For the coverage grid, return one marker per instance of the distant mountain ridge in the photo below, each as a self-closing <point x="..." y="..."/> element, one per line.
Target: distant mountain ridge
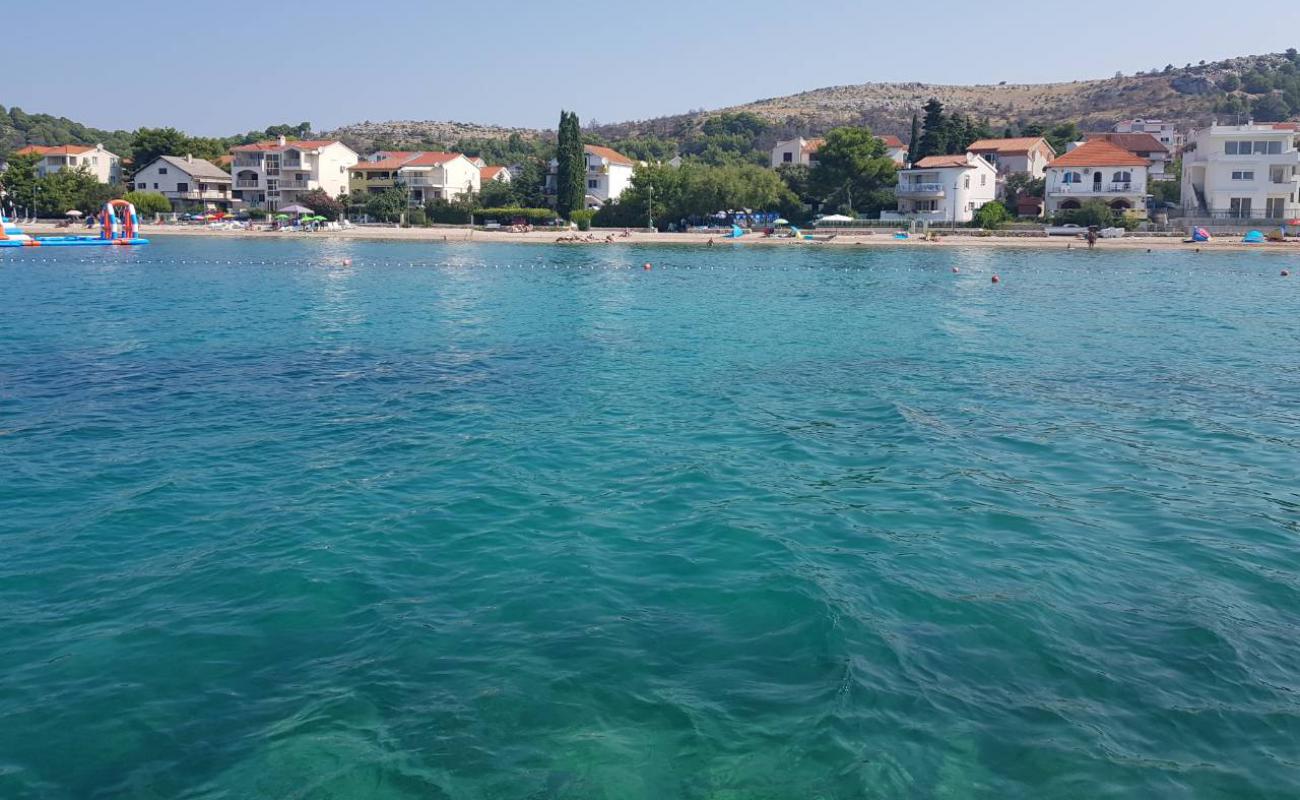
<point x="1187" y="96"/>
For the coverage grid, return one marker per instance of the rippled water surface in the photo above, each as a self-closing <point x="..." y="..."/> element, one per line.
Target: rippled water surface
<point x="498" y="521"/>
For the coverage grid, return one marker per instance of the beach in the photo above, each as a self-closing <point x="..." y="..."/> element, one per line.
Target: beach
<point x="882" y="237"/>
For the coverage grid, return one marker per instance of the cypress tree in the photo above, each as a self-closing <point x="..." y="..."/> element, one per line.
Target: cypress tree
<point x="571" y="169"/>
<point x="914" y="141"/>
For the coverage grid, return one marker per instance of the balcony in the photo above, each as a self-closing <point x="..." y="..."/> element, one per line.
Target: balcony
<point x="297" y="184"/>
<point x="919" y="190"/>
<point x="1094" y="188"/>
<point x="422" y="183"/>
<point x="247" y="183"/>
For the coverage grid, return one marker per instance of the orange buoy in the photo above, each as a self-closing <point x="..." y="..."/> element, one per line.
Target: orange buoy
<point x="996" y="279"/>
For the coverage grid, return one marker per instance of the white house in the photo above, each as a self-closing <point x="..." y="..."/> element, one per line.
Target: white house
<point x="609" y="174"/>
<point x="796" y="151"/>
<point x="105" y="166"/>
<point x="1097" y="170"/>
<point x="944" y="188"/>
<point x="439" y="176"/>
<point x="1028" y="155"/>
<point x="1143" y="145"/>
<point x="804" y="151"/>
<point x="186" y="180"/>
<point x="272" y="174"/>
<point x="1164" y="132"/>
<point x="894" y="148"/>
<point x="1249" y="171"/>
<point x="501" y="174"/>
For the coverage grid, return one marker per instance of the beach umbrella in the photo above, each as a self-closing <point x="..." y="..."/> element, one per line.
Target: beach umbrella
<point x="73" y="213"/>
<point x="281" y="216"/>
<point x="780" y="221"/>
<point x="296" y="209"/>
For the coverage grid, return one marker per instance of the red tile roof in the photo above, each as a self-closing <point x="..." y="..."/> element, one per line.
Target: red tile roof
<point x="58" y="150"/>
<point x="890" y="140"/>
<point x="612" y="156"/>
<point x="1099" y="153"/>
<point x="1015" y="146"/>
<point x="938" y="162"/>
<point x="431" y="159"/>
<point x="275" y="146"/>
<point x="1132" y="142"/>
<point x="489" y="173"/>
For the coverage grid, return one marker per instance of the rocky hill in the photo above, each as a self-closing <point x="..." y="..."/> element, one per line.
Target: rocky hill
<point x="1189" y="95"/>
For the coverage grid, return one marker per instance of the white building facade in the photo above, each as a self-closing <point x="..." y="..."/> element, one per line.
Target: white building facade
<point x="797" y="151"/>
<point x="1097" y="170"/>
<point x="440" y="176"/>
<point x="1249" y="171"/>
<point x="1164" y="132"/>
<point x="105" y="166"/>
<point x="944" y="189"/>
<point x="272" y="174"/>
<point x="609" y="174"/>
<point x="186" y="181"/>
<point x="1027" y="155"/>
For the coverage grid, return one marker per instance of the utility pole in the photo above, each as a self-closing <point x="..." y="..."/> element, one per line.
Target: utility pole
<point x="650" y="207"/>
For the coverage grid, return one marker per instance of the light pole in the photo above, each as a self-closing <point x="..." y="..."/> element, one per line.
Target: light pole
<point x="650" y="207"/>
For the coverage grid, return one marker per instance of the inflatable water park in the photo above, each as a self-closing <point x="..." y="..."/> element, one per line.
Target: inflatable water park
<point x="119" y="225"/>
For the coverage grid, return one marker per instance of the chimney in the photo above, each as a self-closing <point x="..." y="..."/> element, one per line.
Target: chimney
<point x="280" y="140"/>
<point x="189" y="158"/>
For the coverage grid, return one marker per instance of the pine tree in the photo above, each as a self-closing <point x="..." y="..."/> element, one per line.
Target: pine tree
<point x="934" y="140"/>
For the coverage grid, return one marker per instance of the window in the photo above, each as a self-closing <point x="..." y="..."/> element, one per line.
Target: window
<point x="1122" y="176"/>
<point x="155" y="186"/>
<point x="1275" y="207"/>
<point x="1239" y="207"/>
<point x="1267" y="148"/>
<point x="966" y="183"/>
<point x="1277" y="174"/>
<point x="162" y="170"/>
<point x="593" y="184"/>
<point x="1243" y="175"/>
<point x="182" y="187"/>
<point x="984" y="180"/>
<point x="787" y="157"/>
<point x="1072" y="177"/>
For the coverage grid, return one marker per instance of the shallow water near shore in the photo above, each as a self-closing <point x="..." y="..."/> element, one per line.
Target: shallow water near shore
<point x="481" y="521"/>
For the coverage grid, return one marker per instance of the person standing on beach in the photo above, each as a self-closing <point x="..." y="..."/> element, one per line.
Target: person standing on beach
<point x="1092" y="238"/>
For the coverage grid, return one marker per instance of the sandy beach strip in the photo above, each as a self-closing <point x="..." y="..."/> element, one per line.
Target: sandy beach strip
<point x="849" y="239"/>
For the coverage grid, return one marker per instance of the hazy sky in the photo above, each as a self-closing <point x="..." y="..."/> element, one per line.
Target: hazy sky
<point x="216" y="68"/>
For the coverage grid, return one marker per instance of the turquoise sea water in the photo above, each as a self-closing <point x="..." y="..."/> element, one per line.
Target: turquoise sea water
<point x="509" y="522"/>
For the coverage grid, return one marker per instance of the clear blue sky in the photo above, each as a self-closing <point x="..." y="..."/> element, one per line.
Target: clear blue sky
<point x="216" y="68"/>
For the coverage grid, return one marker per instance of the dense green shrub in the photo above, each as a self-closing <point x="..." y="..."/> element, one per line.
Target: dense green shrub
<point x="582" y="217"/>
<point x="991" y="215"/>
